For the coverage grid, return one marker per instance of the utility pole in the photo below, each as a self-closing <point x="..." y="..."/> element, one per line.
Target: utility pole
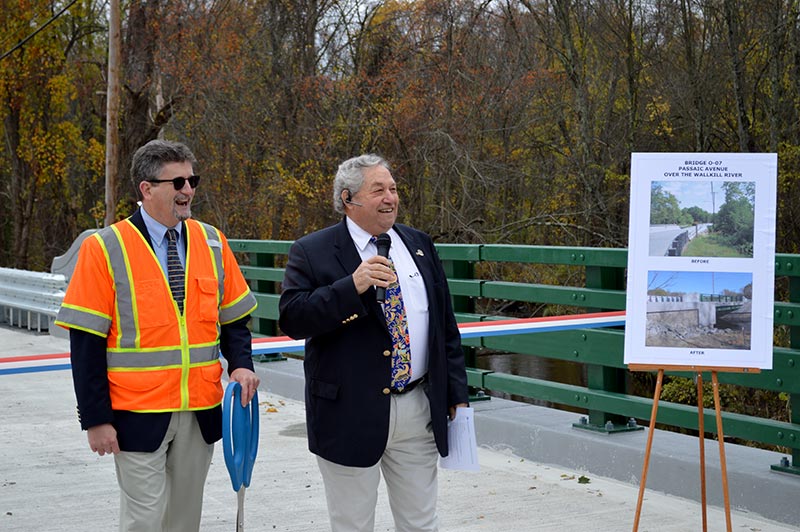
<point x="112" y="111"/>
<point x="713" y="206"/>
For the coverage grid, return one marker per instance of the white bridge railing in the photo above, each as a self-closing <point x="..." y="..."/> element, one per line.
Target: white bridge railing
<point x="30" y="299"/>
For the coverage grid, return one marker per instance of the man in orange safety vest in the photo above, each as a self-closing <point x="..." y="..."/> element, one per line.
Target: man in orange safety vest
<point x="152" y="302"/>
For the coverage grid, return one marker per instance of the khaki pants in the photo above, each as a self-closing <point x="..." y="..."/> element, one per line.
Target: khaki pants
<point x="409" y="466"/>
<point x="162" y="491"/>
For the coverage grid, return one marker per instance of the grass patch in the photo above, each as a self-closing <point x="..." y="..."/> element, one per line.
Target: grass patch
<point x="710" y="246"/>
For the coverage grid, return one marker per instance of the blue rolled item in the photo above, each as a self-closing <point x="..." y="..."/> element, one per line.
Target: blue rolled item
<point x="239" y="435"/>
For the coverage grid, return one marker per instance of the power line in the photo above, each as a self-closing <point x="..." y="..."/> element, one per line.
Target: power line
<point x="39" y="13"/>
<point x="32" y="35"/>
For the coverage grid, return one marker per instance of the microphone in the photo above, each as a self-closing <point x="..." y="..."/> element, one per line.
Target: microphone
<point x="383" y="241"/>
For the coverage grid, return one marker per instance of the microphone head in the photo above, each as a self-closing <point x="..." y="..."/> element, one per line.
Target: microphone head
<point x="383" y="243"/>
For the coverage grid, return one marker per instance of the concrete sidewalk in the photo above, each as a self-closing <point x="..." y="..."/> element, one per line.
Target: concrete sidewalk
<point x="51" y="482"/>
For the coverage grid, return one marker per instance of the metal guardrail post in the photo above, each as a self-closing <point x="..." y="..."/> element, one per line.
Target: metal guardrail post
<point x="262" y="325"/>
<point x="264" y="279"/>
<point x="794" y="398"/>
<point x="462" y="269"/>
<point x="455" y="268"/>
<point x="786" y="465"/>
<point x="601" y="377"/>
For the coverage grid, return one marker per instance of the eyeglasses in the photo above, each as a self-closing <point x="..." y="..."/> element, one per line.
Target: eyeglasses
<point x="179" y="182"/>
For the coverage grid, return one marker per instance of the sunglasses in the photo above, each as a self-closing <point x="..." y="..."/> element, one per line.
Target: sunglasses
<point x="179" y="182"/>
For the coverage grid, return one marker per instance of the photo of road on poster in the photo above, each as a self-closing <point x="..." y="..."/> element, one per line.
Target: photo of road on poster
<point x="701" y="259"/>
<point x="702" y="219"/>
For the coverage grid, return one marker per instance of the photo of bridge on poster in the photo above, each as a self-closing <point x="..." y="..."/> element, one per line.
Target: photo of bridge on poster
<point x="700" y="287"/>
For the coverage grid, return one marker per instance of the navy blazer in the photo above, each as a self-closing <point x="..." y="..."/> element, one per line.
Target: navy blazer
<point x="137" y="431"/>
<point x="346" y="371"/>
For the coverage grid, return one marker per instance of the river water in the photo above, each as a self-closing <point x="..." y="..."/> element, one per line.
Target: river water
<point x="536" y="367"/>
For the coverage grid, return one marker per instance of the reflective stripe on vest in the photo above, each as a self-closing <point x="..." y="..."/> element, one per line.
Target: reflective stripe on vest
<point x="239" y="307"/>
<point x="215" y="248"/>
<point x="119" y="266"/>
<point x="121" y="359"/>
<point x="162" y="389"/>
<point x="92" y="322"/>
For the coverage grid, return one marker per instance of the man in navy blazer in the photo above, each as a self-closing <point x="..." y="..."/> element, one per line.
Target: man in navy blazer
<point x="360" y="422"/>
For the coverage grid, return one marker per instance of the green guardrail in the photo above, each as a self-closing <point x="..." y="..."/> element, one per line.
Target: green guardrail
<point x="605" y="398"/>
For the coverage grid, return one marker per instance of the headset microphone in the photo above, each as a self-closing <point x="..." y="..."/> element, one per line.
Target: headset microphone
<point x="349" y="200"/>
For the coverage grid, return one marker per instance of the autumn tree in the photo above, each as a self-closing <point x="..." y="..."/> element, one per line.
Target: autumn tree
<point x="50" y="125"/>
<point x="509" y="121"/>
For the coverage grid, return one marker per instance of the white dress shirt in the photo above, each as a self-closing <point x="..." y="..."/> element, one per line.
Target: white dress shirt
<point x="158" y="236"/>
<point x="412" y="286"/>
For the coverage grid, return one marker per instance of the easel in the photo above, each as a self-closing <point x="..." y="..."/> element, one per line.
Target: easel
<point x="698" y="370"/>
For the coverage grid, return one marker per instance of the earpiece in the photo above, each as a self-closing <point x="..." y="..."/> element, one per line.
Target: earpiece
<point x="349" y="199"/>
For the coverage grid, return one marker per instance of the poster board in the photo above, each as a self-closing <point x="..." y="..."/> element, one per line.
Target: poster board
<point x="701" y="260"/>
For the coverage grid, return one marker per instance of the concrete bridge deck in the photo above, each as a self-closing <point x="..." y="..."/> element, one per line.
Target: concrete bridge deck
<point x="51" y="482"/>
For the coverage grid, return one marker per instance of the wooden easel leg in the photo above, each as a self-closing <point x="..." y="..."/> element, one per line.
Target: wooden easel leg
<point x="701" y="439"/>
<point x="722" y="464"/>
<point x="653" y="413"/>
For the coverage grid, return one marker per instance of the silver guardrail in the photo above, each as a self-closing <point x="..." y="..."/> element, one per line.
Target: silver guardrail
<point x="30" y="299"/>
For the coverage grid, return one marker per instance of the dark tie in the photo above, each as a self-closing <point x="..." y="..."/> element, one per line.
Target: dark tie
<point x="396" y="321"/>
<point x="175" y="269"/>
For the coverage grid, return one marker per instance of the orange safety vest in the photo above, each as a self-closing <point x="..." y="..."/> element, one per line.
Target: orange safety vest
<point x="158" y="359"/>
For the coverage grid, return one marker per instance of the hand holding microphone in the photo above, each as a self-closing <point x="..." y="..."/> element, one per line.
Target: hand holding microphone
<point x="375" y="270"/>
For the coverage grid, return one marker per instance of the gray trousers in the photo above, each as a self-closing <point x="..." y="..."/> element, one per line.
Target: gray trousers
<point x="409" y="466"/>
<point x="162" y="491"/>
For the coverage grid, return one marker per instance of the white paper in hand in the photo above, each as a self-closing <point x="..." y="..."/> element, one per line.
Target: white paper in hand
<point x="463" y="448"/>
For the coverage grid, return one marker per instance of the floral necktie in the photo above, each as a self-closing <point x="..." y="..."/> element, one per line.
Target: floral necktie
<point x="395" y="313"/>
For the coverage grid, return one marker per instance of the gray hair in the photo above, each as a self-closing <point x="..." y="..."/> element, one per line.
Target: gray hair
<point x="151" y="158"/>
<point x="350" y="176"/>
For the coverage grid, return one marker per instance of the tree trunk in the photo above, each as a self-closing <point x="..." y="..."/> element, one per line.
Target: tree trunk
<point x="141" y="122"/>
<point x="746" y="142"/>
<point x="694" y="77"/>
<point x="22" y="192"/>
